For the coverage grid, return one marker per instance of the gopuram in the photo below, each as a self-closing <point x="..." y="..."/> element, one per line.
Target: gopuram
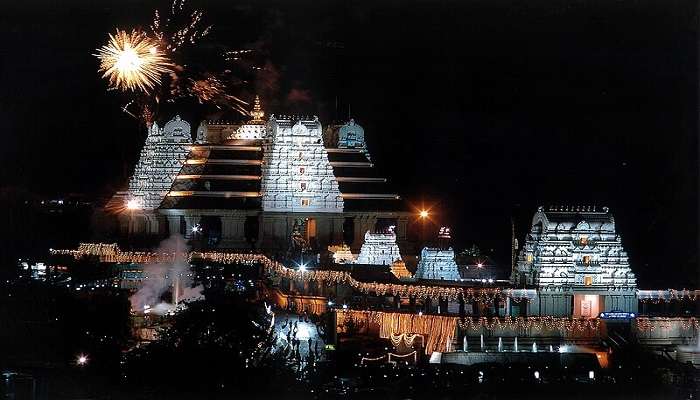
<point x="575" y="258"/>
<point x="250" y="185"/>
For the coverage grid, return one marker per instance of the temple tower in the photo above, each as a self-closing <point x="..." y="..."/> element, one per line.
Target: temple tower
<point x="296" y="173"/>
<point x="575" y="258"/>
<point x="162" y="157"/>
<point x="379" y="249"/>
<point x="439" y="263"/>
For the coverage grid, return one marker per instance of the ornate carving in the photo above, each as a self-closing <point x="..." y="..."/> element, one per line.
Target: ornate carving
<point x="162" y="157"/>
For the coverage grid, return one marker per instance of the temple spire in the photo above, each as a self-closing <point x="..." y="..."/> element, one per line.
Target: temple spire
<point x="258" y="114"/>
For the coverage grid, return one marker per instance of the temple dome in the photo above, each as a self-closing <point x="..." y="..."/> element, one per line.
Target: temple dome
<point x="351" y="135"/>
<point x="178" y="128"/>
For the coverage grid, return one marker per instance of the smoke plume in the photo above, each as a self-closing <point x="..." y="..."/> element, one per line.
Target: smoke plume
<point x="158" y="278"/>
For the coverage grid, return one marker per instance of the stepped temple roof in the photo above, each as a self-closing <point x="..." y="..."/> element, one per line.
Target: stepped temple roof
<point x="279" y="164"/>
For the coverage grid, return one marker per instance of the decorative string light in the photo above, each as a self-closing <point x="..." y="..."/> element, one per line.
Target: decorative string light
<point x="665" y="296"/>
<point x="111" y="253"/>
<point x="440" y="330"/>
<point x="414" y="353"/>
<point x="526" y="323"/>
<point x="646" y="324"/>
<point x="405" y="338"/>
<point x="364" y="359"/>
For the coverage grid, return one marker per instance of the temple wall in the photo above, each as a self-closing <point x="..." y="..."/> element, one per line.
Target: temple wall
<point x="666" y="331"/>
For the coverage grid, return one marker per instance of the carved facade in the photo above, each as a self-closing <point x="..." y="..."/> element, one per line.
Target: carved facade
<point x="162" y="157"/>
<point x="296" y="173"/>
<point x="379" y="249"/>
<point x="437" y="264"/>
<point x="351" y="136"/>
<point x="246" y="184"/>
<point x="576" y="251"/>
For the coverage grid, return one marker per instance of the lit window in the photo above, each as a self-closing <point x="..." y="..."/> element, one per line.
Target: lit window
<point x="305" y="202"/>
<point x="587" y="260"/>
<point x="302" y="185"/>
<point x="529" y="258"/>
<point x="301" y="170"/>
<point x="583" y="241"/>
<point x="587" y="280"/>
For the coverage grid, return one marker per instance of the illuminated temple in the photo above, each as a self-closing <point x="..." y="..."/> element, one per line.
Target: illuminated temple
<point x="575" y="257"/>
<point x="379" y="249"/>
<point x="252" y="184"/>
<point x="278" y="182"/>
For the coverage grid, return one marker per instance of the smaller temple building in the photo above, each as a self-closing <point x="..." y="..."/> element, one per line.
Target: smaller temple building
<point x="379" y="249"/>
<point x="575" y="258"/>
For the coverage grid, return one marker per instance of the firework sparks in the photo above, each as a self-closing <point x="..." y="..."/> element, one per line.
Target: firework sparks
<point x="132" y="61"/>
<point x="189" y="32"/>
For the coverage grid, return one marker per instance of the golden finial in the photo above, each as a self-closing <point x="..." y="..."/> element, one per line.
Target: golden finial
<point x="258" y="114"/>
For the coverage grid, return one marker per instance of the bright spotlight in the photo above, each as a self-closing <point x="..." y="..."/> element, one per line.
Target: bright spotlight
<point x="133" y="204"/>
<point x="424" y="214"/>
<point x="196" y="229"/>
<point x="302" y="267"/>
<point x="82" y="359"/>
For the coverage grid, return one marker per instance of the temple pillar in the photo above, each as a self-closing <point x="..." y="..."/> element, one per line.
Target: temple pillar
<point x="359" y="234"/>
<point x="173" y="225"/>
<point x="336" y="236"/>
<point x="232" y="231"/>
<point x="401" y="228"/>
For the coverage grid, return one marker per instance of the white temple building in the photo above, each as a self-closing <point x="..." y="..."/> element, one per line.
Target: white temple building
<point x="379" y="249"/>
<point x="296" y="173"/>
<point x="162" y="157"/>
<point x="576" y="260"/>
<point x="249" y="184"/>
<point x="438" y="264"/>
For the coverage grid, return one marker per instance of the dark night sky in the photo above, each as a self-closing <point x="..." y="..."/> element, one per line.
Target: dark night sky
<point x="487" y="108"/>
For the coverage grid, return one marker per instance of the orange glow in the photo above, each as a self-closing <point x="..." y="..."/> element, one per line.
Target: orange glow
<point x="133" y="204"/>
<point x="424" y="214"/>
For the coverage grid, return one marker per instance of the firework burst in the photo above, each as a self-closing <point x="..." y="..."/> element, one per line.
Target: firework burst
<point x="166" y="64"/>
<point x="133" y="61"/>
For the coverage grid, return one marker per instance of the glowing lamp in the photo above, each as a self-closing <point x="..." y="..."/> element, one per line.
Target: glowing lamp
<point x="424" y="214"/>
<point x="133" y="204"/>
<point x="82" y="359"/>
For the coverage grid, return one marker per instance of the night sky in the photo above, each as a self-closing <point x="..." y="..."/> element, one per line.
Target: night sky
<point x="485" y="109"/>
